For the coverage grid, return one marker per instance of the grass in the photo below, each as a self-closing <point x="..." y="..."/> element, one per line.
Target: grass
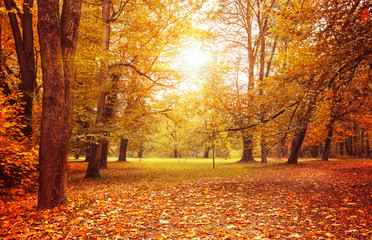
<point x="157" y="172"/>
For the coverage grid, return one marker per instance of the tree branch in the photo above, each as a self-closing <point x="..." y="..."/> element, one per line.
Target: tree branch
<point x="139" y="72"/>
<point x="263" y="121"/>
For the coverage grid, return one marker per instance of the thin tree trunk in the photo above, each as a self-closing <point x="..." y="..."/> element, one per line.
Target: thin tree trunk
<point x="93" y="166"/>
<point x="123" y="150"/>
<point x="261" y="26"/>
<point x="263" y="152"/>
<point x="175" y="153"/>
<point x="140" y="153"/>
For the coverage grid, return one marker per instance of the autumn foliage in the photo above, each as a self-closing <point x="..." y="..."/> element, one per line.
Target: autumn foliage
<point x="18" y="156"/>
<point x="154" y="200"/>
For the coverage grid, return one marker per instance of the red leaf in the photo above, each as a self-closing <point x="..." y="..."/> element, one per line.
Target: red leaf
<point x="366" y="14"/>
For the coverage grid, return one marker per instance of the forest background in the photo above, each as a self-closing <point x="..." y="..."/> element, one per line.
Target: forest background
<point x="280" y="79"/>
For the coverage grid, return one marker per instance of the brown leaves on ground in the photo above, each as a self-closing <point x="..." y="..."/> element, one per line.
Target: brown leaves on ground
<point x="316" y="200"/>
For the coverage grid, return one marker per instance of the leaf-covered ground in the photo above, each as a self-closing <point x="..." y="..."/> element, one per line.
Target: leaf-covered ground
<point x="316" y="200"/>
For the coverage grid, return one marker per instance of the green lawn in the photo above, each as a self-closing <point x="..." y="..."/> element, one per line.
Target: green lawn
<point x="157" y="172"/>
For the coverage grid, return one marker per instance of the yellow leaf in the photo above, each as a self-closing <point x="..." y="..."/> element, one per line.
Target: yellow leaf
<point x="190" y="234"/>
<point x="329" y="235"/>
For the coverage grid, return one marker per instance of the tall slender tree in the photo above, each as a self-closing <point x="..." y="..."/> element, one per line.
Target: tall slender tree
<point x="93" y="166"/>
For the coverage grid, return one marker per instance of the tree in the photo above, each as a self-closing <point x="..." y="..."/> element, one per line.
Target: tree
<point x="93" y="166"/>
<point x="123" y="150"/>
<point x="317" y="31"/>
<point x="58" y="38"/>
<point x="246" y="26"/>
<point x="23" y="34"/>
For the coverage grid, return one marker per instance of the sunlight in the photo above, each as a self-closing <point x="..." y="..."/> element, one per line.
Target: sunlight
<point x="193" y="58"/>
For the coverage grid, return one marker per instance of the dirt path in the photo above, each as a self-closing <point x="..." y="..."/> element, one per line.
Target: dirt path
<point x="309" y="201"/>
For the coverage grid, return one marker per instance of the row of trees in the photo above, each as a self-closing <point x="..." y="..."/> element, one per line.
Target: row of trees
<point x="308" y="72"/>
<point x="284" y="75"/>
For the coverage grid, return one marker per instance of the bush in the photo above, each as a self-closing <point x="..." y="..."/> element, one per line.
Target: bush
<point x="18" y="154"/>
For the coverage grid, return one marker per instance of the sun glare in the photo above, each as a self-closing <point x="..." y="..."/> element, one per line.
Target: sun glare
<point x="192" y="61"/>
<point x="193" y="58"/>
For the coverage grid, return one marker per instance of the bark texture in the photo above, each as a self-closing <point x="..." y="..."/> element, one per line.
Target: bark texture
<point x="52" y="155"/>
<point x="56" y="60"/>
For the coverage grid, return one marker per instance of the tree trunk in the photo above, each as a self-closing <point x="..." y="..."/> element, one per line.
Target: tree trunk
<point x="88" y="153"/>
<point x="341" y="150"/>
<point x="261" y="74"/>
<point x="104" y="154"/>
<point x="368" y="148"/>
<point x="247" y="149"/>
<point x="296" y="147"/>
<point x="321" y="149"/>
<point x="360" y="146"/>
<point x="93" y="167"/>
<point x="140" y="153"/>
<point x="278" y="151"/>
<point x="314" y="151"/>
<point x="175" y="153"/>
<point x="327" y="145"/>
<point x="107" y="116"/>
<point x="206" y="152"/>
<point x="263" y="152"/>
<point x="57" y="48"/>
<point x="300" y="135"/>
<point x="24" y="43"/>
<point x="349" y="146"/>
<point x="123" y="150"/>
<point x="51" y="154"/>
<point x="94" y="160"/>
